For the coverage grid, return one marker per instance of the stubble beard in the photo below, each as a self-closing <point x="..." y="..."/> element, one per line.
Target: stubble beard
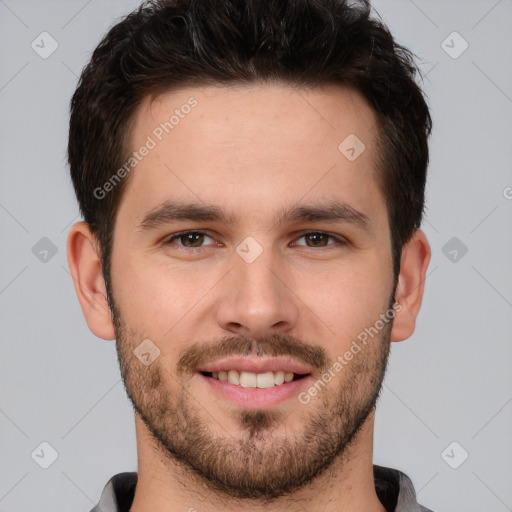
<point x="260" y="462"/>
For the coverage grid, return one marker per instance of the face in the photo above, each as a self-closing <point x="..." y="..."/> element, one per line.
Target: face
<point x="248" y="247"/>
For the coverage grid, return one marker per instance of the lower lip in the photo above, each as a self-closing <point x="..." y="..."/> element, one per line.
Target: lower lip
<point x="256" y="398"/>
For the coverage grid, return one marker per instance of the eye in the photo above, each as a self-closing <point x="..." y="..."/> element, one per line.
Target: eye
<point x="319" y="239"/>
<point x="190" y="239"/>
<point x="198" y="239"/>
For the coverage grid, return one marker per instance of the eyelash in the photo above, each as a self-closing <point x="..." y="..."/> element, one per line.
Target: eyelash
<point x="169" y="241"/>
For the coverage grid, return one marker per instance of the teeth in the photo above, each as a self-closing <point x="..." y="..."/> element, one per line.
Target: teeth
<point x="253" y="380"/>
<point x="233" y="377"/>
<point x="279" y="378"/>
<point x="265" y="380"/>
<point x="247" y="380"/>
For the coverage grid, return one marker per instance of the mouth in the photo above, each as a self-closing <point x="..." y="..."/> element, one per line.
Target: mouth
<point x="255" y="382"/>
<point x="247" y="379"/>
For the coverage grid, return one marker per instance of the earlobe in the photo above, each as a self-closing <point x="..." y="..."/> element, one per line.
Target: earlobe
<point x="411" y="284"/>
<point x="86" y="270"/>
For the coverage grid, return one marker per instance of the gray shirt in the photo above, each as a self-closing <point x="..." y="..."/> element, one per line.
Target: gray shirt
<point x="394" y="490"/>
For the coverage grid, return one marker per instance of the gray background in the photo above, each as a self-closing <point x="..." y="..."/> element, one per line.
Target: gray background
<point x="451" y="382"/>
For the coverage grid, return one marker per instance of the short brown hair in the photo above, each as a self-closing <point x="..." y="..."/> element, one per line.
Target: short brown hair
<point x="170" y="44"/>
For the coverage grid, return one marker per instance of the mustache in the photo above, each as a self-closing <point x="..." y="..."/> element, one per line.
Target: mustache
<point x="274" y="345"/>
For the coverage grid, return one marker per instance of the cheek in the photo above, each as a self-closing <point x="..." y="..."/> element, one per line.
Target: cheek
<point x="156" y="296"/>
<point x="351" y="299"/>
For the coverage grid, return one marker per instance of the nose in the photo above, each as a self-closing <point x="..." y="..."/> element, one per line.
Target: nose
<point x="257" y="298"/>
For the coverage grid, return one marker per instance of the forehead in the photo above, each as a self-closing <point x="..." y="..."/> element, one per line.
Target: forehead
<point x="238" y="111"/>
<point x="247" y="147"/>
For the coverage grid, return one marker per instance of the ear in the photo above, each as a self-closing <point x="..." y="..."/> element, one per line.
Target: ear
<point x="411" y="283"/>
<point x="85" y="266"/>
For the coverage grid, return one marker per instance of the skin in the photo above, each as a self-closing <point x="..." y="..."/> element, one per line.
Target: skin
<point x="252" y="151"/>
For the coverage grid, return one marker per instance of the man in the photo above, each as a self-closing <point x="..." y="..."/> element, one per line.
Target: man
<point x="251" y="176"/>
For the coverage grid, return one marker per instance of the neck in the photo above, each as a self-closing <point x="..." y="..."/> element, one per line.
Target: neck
<point x="166" y="485"/>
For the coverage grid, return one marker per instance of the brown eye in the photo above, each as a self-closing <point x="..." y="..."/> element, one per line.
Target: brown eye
<point x="318" y="239"/>
<point x="191" y="239"/>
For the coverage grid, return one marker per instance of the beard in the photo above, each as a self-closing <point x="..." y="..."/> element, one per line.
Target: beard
<point x="257" y="461"/>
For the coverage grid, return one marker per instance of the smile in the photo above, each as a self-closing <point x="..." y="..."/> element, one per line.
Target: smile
<point x="254" y="380"/>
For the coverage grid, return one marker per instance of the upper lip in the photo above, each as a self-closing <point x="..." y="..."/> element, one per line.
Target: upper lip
<point x="257" y="365"/>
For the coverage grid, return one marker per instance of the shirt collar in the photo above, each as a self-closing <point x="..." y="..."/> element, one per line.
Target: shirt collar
<point x="394" y="489"/>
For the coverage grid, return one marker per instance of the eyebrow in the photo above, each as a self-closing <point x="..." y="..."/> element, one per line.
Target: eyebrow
<point x="172" y="211"/>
